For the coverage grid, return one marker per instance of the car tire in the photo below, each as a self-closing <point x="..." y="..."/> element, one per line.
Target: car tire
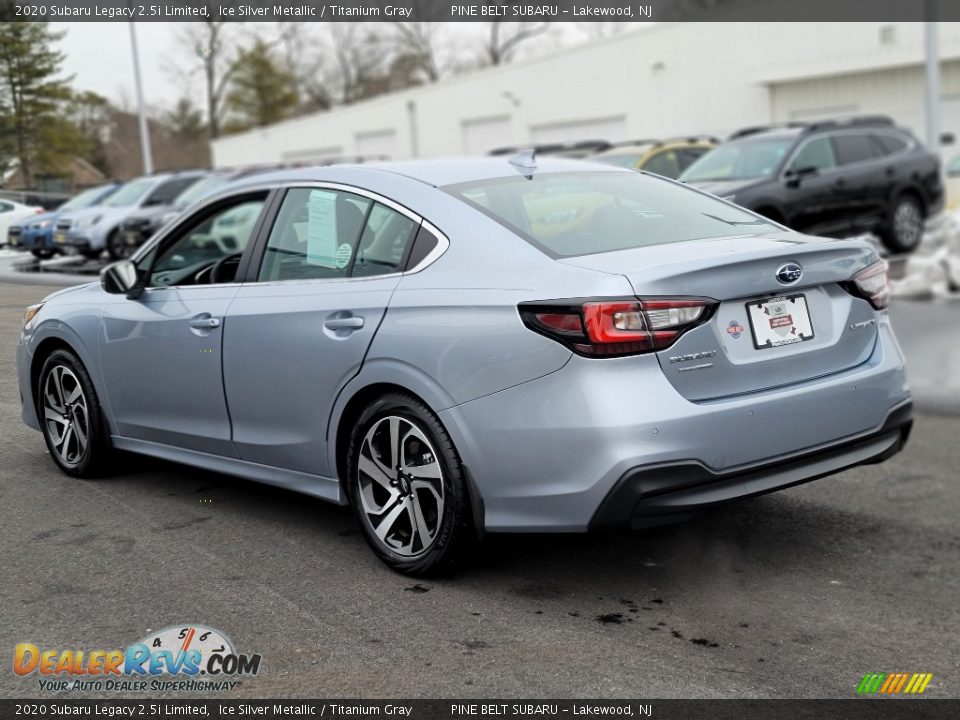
<point x="904" y="231"/>
<point x="117" y="247"/>
<point x="416" y="519"/>
<point x="77" y="439"/>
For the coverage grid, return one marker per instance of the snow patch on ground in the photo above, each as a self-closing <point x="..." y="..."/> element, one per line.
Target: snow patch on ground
<point x="933" y="270"/>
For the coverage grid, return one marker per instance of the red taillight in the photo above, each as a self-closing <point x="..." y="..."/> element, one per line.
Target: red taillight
<point x="611" y="328"/>
<point x="872" y="284"/>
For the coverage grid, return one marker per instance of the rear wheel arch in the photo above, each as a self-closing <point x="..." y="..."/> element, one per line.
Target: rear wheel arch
<point x="912" y="192"/>
<point x="352" y="411"/>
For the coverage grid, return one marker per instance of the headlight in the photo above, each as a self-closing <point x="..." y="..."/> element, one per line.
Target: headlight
<point x="89" y="222"/>
<point x="30" y="313"/>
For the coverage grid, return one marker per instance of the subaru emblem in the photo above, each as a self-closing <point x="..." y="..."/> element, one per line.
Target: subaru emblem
<point x="789" y="273"/>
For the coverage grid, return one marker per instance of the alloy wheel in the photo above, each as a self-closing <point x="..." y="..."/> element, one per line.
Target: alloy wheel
<point x="66" y="415"/>
<point x="401" y="486"/>
<point x="908" y="224"/>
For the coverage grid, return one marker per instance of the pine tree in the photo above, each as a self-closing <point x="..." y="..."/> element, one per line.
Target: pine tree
<point x="32" y="93"/>
<point x="261" y="90"/>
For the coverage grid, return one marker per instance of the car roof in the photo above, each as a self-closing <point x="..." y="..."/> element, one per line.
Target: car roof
<point x="645" y="147"/>
<point x="438" y="172"/>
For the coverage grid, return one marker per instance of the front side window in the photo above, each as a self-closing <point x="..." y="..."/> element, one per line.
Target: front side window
<point x="816" y="155"/>
<point x="221" y="235"/>
<point x="329" y="234"/>
<point x="568" y="214"/>
<point x="751" y="159"/>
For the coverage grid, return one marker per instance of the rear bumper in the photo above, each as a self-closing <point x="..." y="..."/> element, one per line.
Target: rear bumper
<point x="662" y="494"/>
<point x="547" y="454"/>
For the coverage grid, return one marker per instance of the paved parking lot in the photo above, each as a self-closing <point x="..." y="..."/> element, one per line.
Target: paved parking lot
<point x="796" y="594"/>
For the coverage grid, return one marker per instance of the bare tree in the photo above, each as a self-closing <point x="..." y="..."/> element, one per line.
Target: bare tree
<point x="504" y="38"/>
<point x="416" y="42"/>
<point x="306" y="54"/>
<point x="210" y="44"/>
<point x="361" y="54"/>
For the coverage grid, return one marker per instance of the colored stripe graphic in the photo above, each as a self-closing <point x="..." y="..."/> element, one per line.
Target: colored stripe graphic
<point x="894" y="683"/>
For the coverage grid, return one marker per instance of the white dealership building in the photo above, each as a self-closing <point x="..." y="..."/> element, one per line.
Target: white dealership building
<point x="660" y="80"/>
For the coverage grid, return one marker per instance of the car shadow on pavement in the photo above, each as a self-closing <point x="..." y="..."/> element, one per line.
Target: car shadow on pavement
<point x="767" y="535"/>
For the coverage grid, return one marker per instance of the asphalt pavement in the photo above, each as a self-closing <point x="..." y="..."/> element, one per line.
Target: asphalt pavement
<point x="795" y="594"/>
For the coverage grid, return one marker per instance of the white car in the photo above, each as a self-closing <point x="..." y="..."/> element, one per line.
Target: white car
<point x="12" y="213"/>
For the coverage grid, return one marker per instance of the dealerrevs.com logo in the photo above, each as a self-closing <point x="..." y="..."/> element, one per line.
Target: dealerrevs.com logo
<point x="184" y="657"/>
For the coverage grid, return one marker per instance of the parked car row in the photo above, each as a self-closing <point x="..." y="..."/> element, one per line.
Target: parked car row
<point x="119" y="217"/>
<point x="836" y="177"/>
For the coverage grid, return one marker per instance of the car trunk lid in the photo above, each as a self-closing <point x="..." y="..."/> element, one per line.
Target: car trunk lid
<point x="764" y="332"/>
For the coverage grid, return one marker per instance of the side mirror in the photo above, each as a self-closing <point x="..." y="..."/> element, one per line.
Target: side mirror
<point x="120" y="278"/>
<point x="795" y="175"/>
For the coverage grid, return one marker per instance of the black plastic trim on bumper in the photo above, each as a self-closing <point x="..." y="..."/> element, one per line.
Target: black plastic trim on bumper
<point x="659" y="494"/>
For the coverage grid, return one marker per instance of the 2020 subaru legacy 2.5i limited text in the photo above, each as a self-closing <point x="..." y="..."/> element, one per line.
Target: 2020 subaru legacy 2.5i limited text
<point x="460" y="347"/>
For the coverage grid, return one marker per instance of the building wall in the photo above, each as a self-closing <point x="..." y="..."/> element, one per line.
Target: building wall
<point x="660" y="80"/>
<point x="894" y="91"/>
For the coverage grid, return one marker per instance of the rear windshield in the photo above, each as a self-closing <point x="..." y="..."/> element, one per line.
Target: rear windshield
<point x="569" y="214"/>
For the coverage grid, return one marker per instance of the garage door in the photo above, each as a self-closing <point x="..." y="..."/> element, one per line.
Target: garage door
<point x="481" y="135"/>
<point x="612" y="129"/>
<point x="377" y="145"/>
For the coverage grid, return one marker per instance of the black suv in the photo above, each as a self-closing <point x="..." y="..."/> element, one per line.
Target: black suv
<point x="831" y="178"/>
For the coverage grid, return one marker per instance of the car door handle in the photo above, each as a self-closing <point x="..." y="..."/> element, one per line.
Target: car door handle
<point x="205" y="323"/>
<point x="343" y="323"/>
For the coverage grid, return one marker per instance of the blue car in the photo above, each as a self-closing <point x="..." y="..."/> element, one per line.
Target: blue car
<point x="37" y="235"/>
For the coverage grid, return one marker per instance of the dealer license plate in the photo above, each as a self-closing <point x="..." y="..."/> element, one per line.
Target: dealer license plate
<point x="779" y="321"/>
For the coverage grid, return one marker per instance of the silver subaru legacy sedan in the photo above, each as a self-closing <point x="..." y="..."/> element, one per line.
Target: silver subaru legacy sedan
<point x="457" y="347"/>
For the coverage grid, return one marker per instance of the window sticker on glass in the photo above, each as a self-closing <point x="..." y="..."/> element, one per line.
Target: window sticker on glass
<point x="344" y="253"/>
<point x="322" y="229"/>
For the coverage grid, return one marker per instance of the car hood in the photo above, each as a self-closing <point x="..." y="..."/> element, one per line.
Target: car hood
<point x="36" y="220"/>
<point x="724" y="188"/>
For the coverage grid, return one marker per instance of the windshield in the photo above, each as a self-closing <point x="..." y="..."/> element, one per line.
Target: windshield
<point x="87" y="198"/>
<point x="130" y="194"/>
<point x="744" y="160"/>
<point x="624" y="160"/>
<point x="199" y="190"/>
<point x="568" y="214"/>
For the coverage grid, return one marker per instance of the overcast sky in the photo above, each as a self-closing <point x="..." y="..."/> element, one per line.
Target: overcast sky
<point x="99" y="58"/>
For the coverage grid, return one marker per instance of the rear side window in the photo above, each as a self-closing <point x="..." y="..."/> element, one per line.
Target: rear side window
<point x="329" y="234"/>
<point x="568" y="214"/>
<point x="853" y="149"/>
<point x="890" y="144"/>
